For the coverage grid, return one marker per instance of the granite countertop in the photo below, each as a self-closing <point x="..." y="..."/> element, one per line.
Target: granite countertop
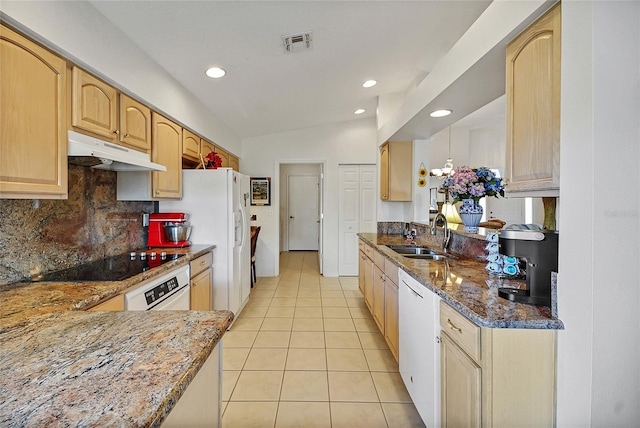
<point x="62" y="365"/>
<point x="465" y="285"/>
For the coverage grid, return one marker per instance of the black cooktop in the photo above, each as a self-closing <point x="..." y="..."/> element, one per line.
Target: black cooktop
<point x="115" y="268"/>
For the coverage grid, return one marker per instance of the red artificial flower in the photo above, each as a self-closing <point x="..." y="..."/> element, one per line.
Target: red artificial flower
<point x="213" y="160"/>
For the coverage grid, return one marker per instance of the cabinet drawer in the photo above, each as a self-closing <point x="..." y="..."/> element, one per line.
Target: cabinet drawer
<point x="391" y="271"/>
<point x="378" y="259"/>
<point x="368" y="251"/>
<point x="465" y="333"/>
<point x="201" y="263"/>
<point x="361" y="245"/>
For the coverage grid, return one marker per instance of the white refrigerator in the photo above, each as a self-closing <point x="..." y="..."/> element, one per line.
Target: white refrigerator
<point x="217" y="202"/>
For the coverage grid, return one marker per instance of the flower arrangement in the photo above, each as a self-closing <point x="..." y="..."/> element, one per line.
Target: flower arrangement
<point x="476" y="183"/>
<point x="213" y="160"/>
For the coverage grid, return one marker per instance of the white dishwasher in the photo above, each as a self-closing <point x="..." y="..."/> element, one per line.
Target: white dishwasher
<point x="167" y="292"/>
<point x="419" y="348"/>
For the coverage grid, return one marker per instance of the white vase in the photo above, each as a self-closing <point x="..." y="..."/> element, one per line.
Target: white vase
<point x="471" y="214"/>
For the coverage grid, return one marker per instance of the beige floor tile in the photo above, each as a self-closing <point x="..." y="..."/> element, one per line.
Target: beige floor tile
<point x="342" y="340"/>
<point x="233" y="358"/>
<point x="356" y="302"/>
<point x="246" y="323"/>
<point x="308" y="312"/>
<point x="308" y="302"/>
<point x="262" y="293"/>
<point x="330" y="286"/>
<point x="373" y="340"/>
<point x="279" y="324"/>
<point x="402" y="415"/>
<point x="305" y="386"/>
<point x="357" y="415"/>
<point x="258" y="386"/>
<point x="263" y="301"/>
<point x="329" y="280"/>
<point x="346" y="360"/>
<point x="239" y="339"/>
<point x="265" y="285"/>
<point x="267" y="280"/>
<point x="308" y="324"/>
<point x="303" y="415"/>
<point x="352" y="386"/>
<point x="360" y="312"/>
<point x="338" y="324"/>
<point x="352" y="294"/>
<point x="229" y="379"/>
<point x="281" y="312"/>
<point x="333" y="312"/>
<point x="365" y="324"/>
<point x="266" y="359"/>
<point x="381" y="360"/>
<point x="390" y="387"/>
<point x="255" y="311"/>
<point x="285" y="292"/>
<point x="331" y="294"/>
<point x="272" y="339"/>
<point x="283" y="301"/>
<point x="309" y="292"/>
<point x="250" y="414"/>
<point x="306" y="359"/>
<point x="349" y="280"/>
<point x="350" y="287"/>
<point x="337" y="302"/>
<point x="223" y="407"/>
<point x="307" y="339"/>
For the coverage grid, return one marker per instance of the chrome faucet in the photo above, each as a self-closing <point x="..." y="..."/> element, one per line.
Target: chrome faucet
<point x="440" y="218"/>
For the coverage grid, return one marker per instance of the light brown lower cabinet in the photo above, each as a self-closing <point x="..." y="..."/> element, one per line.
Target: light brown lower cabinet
<point x="391" y="316"/>
<point x="495" y="377"/>
<point x="114" y="304"/>
<point x="202" y="283"/>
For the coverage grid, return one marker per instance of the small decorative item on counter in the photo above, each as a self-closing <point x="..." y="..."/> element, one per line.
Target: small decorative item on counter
<point x="422" y="174"/>
<point x="499" y="264"/>
<point x="470" y="185"/>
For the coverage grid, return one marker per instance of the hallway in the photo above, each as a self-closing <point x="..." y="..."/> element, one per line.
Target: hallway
<point x="305" y="352"/>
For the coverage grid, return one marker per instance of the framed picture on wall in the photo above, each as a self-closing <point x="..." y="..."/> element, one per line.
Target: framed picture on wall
<point x="260" y="190"/>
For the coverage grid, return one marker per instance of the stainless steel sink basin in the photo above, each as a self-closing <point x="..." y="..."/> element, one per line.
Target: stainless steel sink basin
<point x="418" y="252"/>
<point x="412" y="250"/>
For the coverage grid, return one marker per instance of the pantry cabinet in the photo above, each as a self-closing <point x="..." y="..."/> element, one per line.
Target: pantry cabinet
<point x="202" y="283"/>
<point x="395" y="171"/>
<point x="94" y="105"/>
<point x="533" y="108"/>
<point x="33" y="120"/>
<point x="495" y="376"/>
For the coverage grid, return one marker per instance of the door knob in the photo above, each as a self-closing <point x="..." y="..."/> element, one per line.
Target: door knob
<point x="291" y="216"/>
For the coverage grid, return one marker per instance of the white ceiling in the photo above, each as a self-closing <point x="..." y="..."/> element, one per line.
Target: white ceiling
<point x="267" y="90"/>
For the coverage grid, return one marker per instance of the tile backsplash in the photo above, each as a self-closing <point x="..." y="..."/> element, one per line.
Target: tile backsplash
<point x="41" y="235"/>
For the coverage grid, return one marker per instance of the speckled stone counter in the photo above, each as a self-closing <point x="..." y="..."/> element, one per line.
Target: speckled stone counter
<point x="63" y="366"/>
<point x="76" y="368"/>
<point x="465" y="285"/>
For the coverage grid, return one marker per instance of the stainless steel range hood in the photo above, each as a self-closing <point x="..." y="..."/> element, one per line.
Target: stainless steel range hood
<point x="95" y="153"/>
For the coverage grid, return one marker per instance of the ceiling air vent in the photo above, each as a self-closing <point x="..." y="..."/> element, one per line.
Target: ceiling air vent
<point x="297" y="42"/>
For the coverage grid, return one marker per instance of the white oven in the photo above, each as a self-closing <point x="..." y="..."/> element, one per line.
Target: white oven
<point x="167" y="292"/>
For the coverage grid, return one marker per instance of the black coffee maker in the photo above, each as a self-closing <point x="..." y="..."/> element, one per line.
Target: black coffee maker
<point x="537" y="253"/>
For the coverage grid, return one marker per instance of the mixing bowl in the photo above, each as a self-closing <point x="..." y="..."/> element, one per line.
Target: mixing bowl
<point x="176" y="232"/>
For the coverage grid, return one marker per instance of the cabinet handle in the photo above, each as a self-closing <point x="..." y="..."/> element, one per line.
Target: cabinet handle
<point x="453" y="326"/>
<point x="203" y="262"/>
<point x="116" y="132"/>
<point x="126" y="135"/>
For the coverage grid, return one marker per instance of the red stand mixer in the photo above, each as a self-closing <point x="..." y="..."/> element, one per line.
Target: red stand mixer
<point x="169" y="230"/>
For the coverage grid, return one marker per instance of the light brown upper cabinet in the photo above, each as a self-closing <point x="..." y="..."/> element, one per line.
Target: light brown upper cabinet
<point x="224" y="156"/>
<point x="395" y="171"/>
<point x="33" y="120"/>
<point x="190" y="146"/>
<point x="533" y="107"/>
<point x="166" y="149"/>
<point x="234" y="163"/>
<point x="206" y="147"/>
<point x="135" y="124"/>
<point x="94" y="105"/>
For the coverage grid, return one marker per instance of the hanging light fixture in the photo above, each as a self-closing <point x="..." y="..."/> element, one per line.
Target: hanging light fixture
<point x="447" y="169"/>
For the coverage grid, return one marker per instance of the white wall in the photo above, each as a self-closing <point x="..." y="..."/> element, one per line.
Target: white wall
<point x="347" y="142"/>
<point x="80" y="33"/>
<point x="599" y="287"/>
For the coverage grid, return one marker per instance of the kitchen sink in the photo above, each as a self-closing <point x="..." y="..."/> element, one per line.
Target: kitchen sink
<point x="419" y="252"/>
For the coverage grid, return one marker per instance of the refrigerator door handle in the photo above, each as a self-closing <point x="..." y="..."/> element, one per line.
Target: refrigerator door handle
<point x="243" y="216"/>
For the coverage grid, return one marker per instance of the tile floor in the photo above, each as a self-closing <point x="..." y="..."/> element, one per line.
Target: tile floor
<point x="305" y="352"/>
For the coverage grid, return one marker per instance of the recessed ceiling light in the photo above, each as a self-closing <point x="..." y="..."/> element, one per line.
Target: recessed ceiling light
<point x="440" y="113"/>
<point x="369" y="83"/>
<point x="215" y="72"/>
<point x="359" y="111"/>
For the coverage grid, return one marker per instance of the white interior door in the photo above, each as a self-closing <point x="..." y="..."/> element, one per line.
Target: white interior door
<point x="303" y="212"/>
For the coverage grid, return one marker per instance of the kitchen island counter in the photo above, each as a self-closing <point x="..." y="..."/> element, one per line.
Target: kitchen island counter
<point x="465" y="285"/>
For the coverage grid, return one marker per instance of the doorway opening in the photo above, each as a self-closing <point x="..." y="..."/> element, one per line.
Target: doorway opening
<point x="301" y="207"/>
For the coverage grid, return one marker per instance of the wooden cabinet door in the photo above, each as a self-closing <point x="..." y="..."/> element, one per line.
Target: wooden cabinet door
<point x="201" y="286"/>
<point x="224" y="156"/>
<point x="461" y="396"/>
<point x="190" y="145"/>
<point x="378" y="297"/>
<point x="135" y="124"/>
<point x="391" y="316"/>
<point x="33" y="120"/>
<point x="206" y="147"/>
<point x="114" y="304"/>
<point x="361" y="269"/>
<point x="234" y="163"/>
<point x="533" y="106"/>
<point x="166" y="150"/>
<point x="94" y="105"/>
<point x="368" y="283"/>
<point x="384" y="172"/>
